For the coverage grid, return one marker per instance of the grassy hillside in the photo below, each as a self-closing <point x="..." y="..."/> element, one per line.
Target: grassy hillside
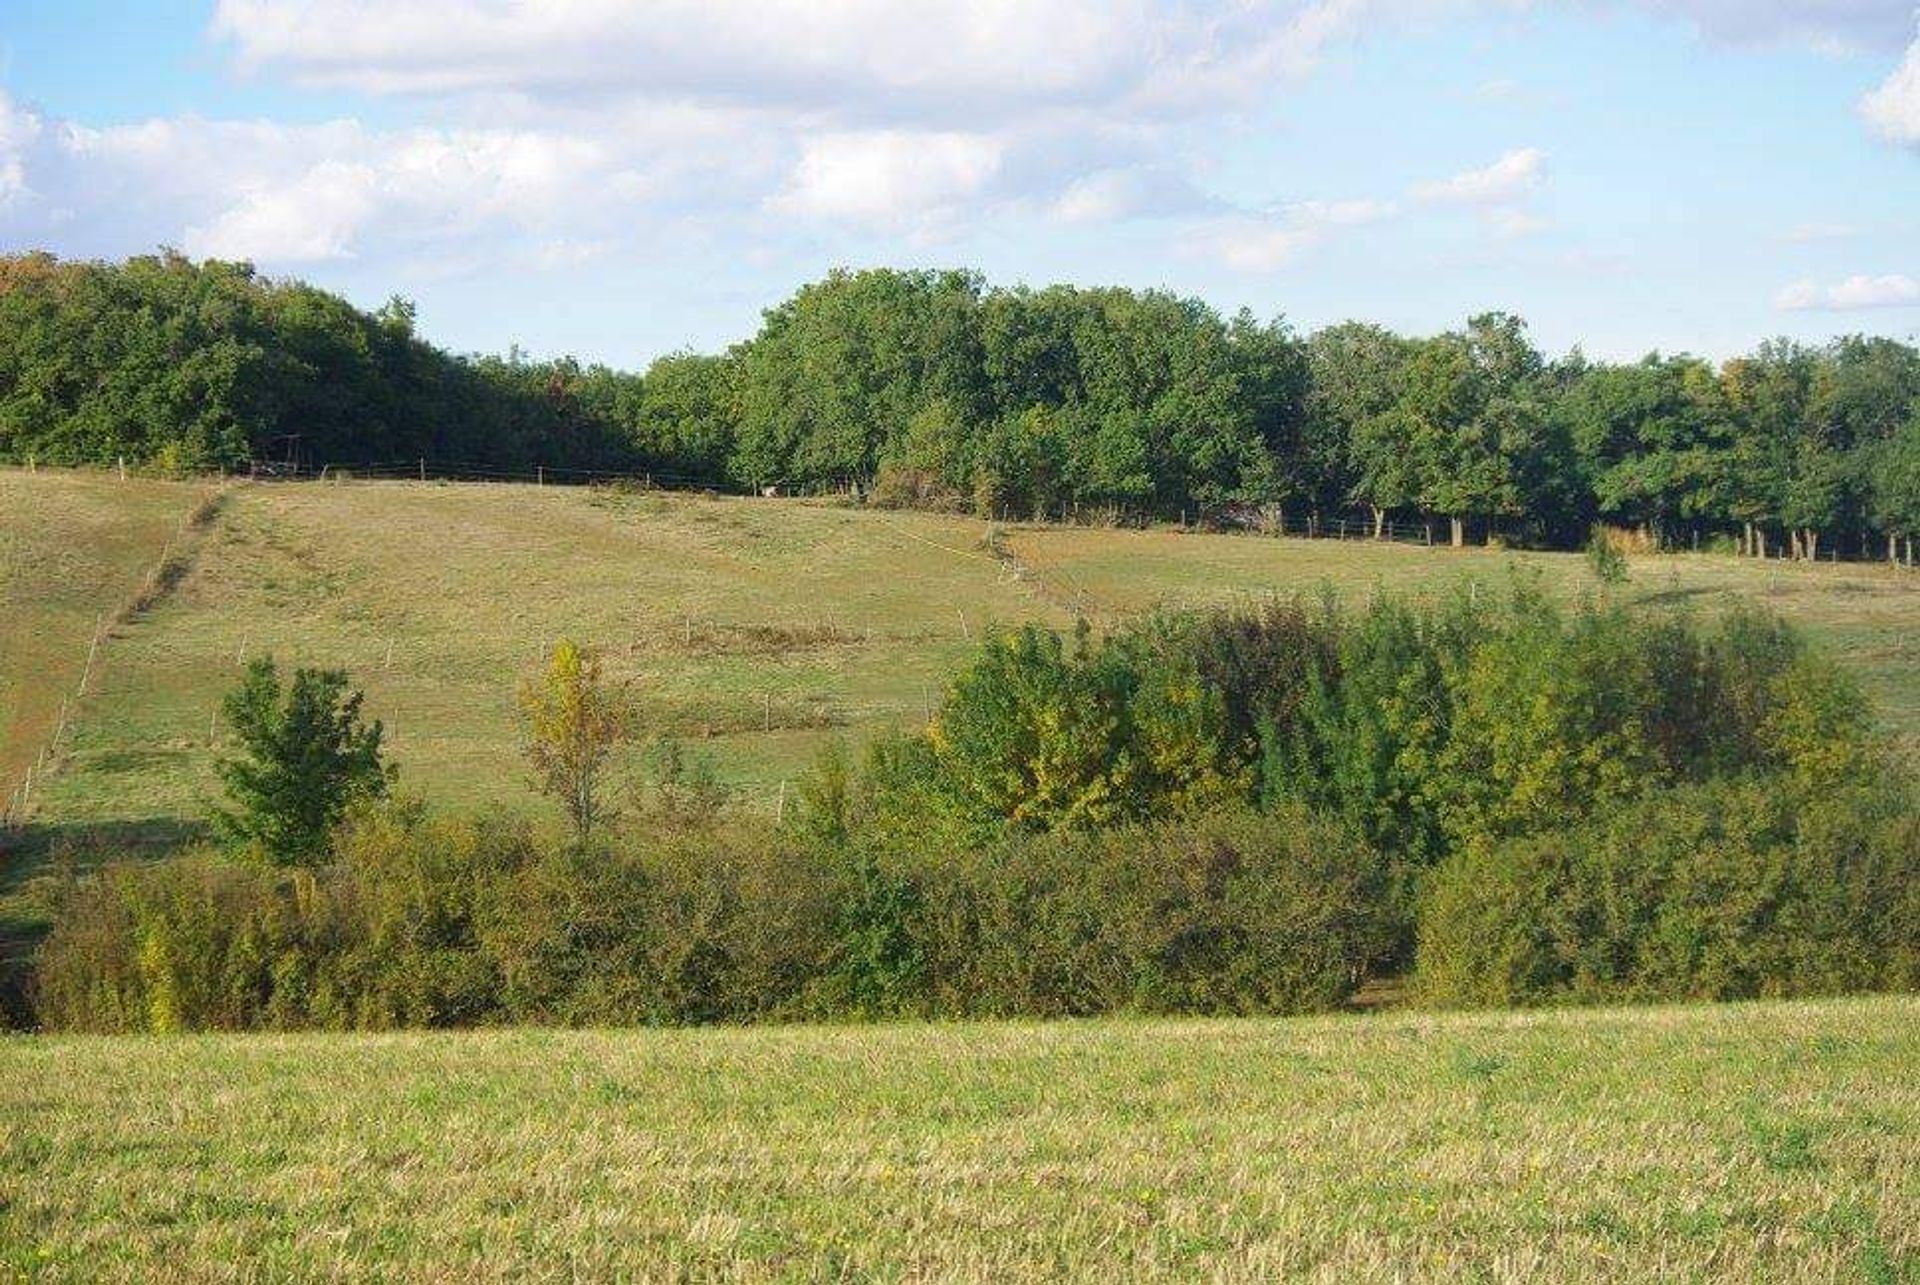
<point x="74" y="549"/>
<point x="753" y="629"/>
<point x="1746" y="1142"/>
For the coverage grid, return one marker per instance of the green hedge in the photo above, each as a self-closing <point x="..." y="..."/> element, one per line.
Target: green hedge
<point x="436" y="922"/>
<point x="1731" y="890"/>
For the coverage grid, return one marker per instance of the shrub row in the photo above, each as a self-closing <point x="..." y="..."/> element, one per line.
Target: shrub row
<point x="426" y="921"/>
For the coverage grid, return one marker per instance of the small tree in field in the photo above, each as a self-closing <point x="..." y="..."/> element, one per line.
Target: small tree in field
<point x="305" y="759"/>
<point x="1604" y="559"/>
<point x="572" y="721"/>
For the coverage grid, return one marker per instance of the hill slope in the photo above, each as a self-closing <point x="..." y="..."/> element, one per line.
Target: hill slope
<point x="753" y="629"/>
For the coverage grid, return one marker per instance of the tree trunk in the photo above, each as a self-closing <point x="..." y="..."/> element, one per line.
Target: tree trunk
<point x="1893" y="549"/>
<point x="1379" y="523"/>
<point x="1459" y="528"/>
<point x="1810" y="541"/>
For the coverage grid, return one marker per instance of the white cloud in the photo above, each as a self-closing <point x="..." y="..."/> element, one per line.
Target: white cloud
<point x="1828" y="26"/>
<point x="933" y="56"/>
<point x="292" y="194"/>
<point x="1893" y="109"/>
<point x="1107" y="195"/>
<point x="1895" y="290"/>
<point x="1514" y="175"/>
<point x="1248" y="244"/>
<point x="885" y="176"/>
<point x="1510" y="222"/>
<point x="19" y="131"/>
<point x="865" y="112"/>
<point x="1267" y="243"/>
<point x="314" y="217"/>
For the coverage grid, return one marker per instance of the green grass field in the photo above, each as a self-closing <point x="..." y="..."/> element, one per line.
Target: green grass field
<point x="74" y="549"/>
<point x="1776" y="1142"/>
<point x="755" y="630"/>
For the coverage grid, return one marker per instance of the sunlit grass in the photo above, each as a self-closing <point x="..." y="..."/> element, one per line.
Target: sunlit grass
<point x="753" y="630"/>
<point x="1744" y="1142"/>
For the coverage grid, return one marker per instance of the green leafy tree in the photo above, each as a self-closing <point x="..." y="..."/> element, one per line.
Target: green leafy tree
<point x="1354" y="435"/>
<point x="305" y="758"/>
<point x="1893" y="475"/>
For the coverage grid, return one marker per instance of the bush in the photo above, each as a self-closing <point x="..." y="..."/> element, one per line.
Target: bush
<point x="429" y="922"/>
<point x="1722" y="891"/>
<point x="1228" y="913"/>
<point x="195" y="943"/>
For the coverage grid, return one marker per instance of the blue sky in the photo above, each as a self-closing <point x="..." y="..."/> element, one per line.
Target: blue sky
<point x="619" y="180"/>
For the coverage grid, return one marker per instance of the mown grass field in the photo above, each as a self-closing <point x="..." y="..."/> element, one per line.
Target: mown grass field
<point x="754" y="630"/>
<point x="1776" y="1142"/>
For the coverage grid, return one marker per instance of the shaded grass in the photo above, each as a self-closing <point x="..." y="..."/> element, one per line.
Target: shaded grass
<point x="1743" y="1142"/>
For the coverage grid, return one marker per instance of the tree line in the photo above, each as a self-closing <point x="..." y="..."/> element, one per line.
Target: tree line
<point x="1497" y="798"/>
<point x="928" y="388"/>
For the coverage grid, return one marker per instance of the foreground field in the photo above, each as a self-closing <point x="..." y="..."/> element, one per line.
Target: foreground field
<point x="755" y="630"/>
<point x="1746" y="1142"/>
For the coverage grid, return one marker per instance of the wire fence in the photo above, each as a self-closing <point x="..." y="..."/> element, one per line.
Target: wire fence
<point x="431" y="470"/>
<point x="1250" y="519"/>
<point x="157" y="579"/>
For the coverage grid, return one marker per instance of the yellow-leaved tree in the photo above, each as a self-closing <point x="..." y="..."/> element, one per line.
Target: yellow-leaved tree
<point x="573" y="720"/>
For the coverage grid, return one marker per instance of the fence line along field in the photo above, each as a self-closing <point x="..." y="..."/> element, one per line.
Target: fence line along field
<point x="1738" y="1142"/>
<point x="75" y="548"/>
<point x="753" y="629"/>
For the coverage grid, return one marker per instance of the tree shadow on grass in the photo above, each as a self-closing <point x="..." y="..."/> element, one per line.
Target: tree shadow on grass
<point x="38" y="848"/>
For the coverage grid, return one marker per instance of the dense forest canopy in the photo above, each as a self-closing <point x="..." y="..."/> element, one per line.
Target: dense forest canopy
<point x="931" y="388"/>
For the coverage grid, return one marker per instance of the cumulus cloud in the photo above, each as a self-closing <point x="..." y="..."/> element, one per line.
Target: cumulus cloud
<point x="294" y="194"/>
<point x="1514" y="175"/>
<point x="314" y="217"/>
<point x="19" y="131"/>
<point x="1893" y="109"/>
<point x="1107" y="195"/>
<point x="1265" y="243"/>
<point x="859" y="112"/>
<point x="576" y="127"/>
<point x="883" y="176"/>
<point x="935" y="56"/>
<point x="1895" y="290"/>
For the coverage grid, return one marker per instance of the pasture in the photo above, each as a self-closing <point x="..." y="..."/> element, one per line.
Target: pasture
<point x="1773" y="1141"/>
<point x="752" y="630"/>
